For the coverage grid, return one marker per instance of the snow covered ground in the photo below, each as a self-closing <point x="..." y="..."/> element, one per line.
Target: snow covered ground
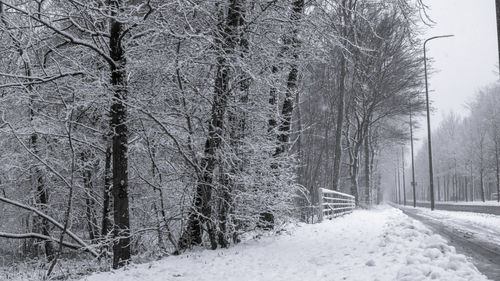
<point x="382" y="244"/>
<point x="470" y="203"/>
<point x="483" y="226"/>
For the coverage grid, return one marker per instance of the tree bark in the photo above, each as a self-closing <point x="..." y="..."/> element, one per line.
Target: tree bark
<point x="106" y="223"/>
<point x="89" y="200"/>
<point x="337" y="156"/>
<point x="481" y="170"/>
<point x="291" y="87"/>
<point x="367" y="169"/>
<point x="121" y="231"/>
<point x="201" y="212"/>
<point x="439" y="188"/>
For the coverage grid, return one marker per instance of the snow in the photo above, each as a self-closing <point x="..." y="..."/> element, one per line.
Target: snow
<point x="469" y="203"/>
<point x="381" y="244"/>
<point x="482" y="226"/>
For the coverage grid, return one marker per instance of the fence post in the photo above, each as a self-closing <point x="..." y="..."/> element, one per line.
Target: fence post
<point x="320" y="204"/>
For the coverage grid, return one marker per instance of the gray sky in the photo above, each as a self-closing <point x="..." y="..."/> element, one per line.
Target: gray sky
<point x="462" y="64"/>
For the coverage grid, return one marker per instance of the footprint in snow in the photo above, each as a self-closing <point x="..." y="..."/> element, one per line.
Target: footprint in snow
<point x="370" y="263"/>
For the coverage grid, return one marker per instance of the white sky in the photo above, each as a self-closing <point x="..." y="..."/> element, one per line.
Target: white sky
<point x="462" y="64"/>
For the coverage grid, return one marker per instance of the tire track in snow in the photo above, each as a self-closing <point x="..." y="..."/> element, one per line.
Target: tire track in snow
<point x="485" y="255"/>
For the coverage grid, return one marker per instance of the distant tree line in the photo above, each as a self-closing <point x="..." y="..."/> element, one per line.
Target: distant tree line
<point x="466" y="153"/>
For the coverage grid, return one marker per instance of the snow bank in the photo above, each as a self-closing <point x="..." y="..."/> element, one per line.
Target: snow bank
<point x="428" y="256"/>
<point x="383" y="244"/>
<point x="480" y="226"/>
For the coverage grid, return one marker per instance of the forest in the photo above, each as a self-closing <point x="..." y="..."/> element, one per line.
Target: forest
<point x="136" y="129"/>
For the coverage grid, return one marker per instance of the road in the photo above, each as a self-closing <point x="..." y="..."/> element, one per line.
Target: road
<point x="468" y="239"/>
<point x="494" y="210"/>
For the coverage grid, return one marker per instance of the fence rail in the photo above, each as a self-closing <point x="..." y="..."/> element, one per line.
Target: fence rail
<point x="334" y="204"/>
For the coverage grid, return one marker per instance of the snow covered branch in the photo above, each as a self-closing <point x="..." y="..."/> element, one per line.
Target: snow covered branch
<point x="51" y="220"/>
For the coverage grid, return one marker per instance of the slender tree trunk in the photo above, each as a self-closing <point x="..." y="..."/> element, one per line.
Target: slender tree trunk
<point x="42" y="195"/>
<point x="396" y="186"/>
<point x="481" y="171"/>
<point x="439" y="188"/>
<point x="201" y="211"/>
<point x="481" y="183"/>
<point x="237" y="126"/>
<point x="472" y="183"/>
<point x="399" y="180"/>
<point x="354" y="155"/>
<point x="367" y="169"/>
<point x="337" y="156"/>
<point x="457" y="191"/>
<point x="106" y="223"/>
<point x="291" y="86"/>
<point x="89" y="200"/>
<point x="466" y="193"/>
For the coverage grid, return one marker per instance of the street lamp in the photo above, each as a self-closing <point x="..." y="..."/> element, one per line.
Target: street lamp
<point x="412" y="161"/>
<point x="431" y="185"/>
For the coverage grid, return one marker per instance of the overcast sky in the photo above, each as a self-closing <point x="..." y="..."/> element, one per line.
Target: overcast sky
<point x="462" y="64"/>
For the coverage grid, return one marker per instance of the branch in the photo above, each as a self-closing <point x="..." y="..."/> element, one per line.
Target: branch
<point x="38" y="157"/>
<point x="36" y="80"/>
<point x="51" y="220"/>
<point x="39" y="236"/>
<point x="64" y="34"/>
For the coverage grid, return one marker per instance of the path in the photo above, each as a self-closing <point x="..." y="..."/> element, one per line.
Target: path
<point x="377" y="245"/>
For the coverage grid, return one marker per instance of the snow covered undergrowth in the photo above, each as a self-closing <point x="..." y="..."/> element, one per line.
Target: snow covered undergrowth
<point x="382" y="244"/>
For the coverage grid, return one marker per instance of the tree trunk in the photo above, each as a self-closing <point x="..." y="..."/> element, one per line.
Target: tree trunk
<point x="42" y="195"/>
<point x="399" y="180"/>
<point x="367" y="169"/>
<point x="337" y="156"/>
<point x="42" y="198"/>
<point x="106" y="223"/>
<point x="291" y="85"/>
<point x="471" y="184"/>
<point x="201" y="211"/>
<point x="481" y="183"/>
<point x="481" y="170"/>
<point x="121" y="247"/>
<point x="89" y="200"/>
<point x="439" y="188"/>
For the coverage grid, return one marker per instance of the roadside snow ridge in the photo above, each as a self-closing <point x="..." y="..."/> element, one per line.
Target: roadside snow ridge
<point x="376" y="245"/>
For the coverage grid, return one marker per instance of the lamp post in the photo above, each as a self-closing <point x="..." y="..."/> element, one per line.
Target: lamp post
<point x="412" y="161"/>
<point x="404" y="180"/>
<point x="429" y="143"/>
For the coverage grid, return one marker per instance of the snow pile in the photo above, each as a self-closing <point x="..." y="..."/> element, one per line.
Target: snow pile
<point x="427" y="255"/>
<point x="378" y="245"/>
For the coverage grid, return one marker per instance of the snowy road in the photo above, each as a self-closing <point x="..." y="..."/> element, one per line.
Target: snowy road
<point x="377" y="245"/>
<point x="490" y="207"/>
<point x="475" y="235"/>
